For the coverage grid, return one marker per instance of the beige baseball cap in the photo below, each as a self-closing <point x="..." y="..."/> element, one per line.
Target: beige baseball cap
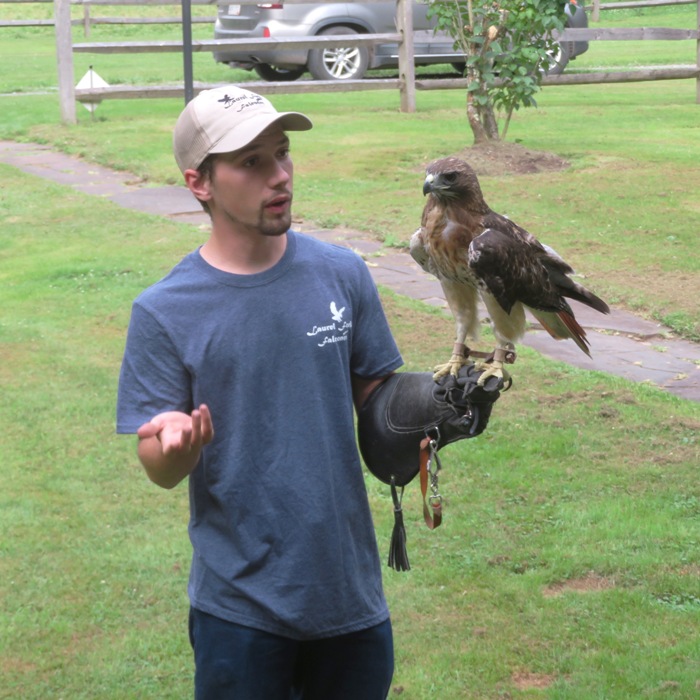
<point x="226" y="119"/>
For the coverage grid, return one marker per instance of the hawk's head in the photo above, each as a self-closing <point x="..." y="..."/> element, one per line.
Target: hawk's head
<point x="450" y="179"/>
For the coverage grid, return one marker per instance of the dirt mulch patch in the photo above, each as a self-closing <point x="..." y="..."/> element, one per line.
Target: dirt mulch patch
<point x="501" y="158"/>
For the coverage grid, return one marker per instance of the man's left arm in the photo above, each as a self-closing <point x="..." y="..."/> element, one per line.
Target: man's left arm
<point x="362" y="388"/>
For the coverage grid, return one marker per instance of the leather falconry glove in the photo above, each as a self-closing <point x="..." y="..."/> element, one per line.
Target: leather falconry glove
<point x="403" y="424"/>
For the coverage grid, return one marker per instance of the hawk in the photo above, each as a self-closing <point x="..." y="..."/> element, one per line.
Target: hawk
<point x="474" y="252"/>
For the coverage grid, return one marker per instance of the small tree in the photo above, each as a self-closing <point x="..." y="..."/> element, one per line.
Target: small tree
<point x="508" y="45"/>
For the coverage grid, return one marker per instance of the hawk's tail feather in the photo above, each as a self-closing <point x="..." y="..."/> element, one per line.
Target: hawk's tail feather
<point x="588" y="298"/>
<point x="578" y="335"/>
<point x="562" y="325"/>
<point x="569" y="288"/>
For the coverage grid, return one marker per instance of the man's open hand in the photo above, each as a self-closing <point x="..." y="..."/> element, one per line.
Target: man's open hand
<point x="180" y="432"/>
<point x="170" y="444"/>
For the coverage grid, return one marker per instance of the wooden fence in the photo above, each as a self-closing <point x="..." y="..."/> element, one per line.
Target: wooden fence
<point x="406" y="83"/>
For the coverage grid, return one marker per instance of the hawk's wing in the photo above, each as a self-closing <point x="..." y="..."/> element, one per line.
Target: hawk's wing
<point x="518" y="269"/>
<point x="514" y="269"/>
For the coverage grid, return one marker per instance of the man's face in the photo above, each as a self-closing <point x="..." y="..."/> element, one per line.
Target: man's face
<point x="251" y="189"/>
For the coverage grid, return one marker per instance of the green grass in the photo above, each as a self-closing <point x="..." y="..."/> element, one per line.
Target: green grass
<point x="624" y="213"/>
<point x="568" y="563"/>
<point x="627" y="55"/>
<point x="568" y="557"/>
<point x="29" y="54"/>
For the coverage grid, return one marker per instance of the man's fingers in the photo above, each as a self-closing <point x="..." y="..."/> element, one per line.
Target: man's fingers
<point x="148" y="430"/>
<point x="202" y="426"/>
<point x="179" y="432"/>
<point x="176" y="441"/>
<point x="196" y="435"/>
<point x="207" y="424"/>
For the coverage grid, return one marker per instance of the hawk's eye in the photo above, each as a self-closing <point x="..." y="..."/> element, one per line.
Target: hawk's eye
<point x="449" y="178"/>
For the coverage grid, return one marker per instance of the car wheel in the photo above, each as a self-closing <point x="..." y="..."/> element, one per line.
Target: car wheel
<point x="273" y="73"/>
<point x="556" y="60"/>
<point x="340" y="63"/>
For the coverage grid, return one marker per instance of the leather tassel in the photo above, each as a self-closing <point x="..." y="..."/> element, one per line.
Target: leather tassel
<point x="398" y="555"/>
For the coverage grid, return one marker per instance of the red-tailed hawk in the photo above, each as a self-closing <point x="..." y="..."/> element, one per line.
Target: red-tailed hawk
<point x="474" y="251"/>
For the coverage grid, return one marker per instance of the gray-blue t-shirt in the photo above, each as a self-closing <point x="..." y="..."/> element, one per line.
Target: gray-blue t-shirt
<point x="280" y="524"/>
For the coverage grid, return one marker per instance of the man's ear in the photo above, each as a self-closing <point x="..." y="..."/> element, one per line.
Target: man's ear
<point x="198" y="184"/>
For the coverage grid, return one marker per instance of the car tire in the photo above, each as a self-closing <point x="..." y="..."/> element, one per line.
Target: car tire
<point x="558" y="60"/>
<point x="340" y="63"/>
<point x="273" y="73"/>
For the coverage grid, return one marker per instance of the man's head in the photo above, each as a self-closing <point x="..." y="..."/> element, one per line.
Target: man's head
<point x="226" y="119"/>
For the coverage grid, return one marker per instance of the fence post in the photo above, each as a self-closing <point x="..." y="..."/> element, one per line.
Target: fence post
<point x="64" y="60"/>
<point x="186" y="14"/>
<point x="407" y="67"/>
<point x="86" y="18"/>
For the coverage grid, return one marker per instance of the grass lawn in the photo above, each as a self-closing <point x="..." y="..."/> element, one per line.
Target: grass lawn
<point x="568" y="563"/>
<point x="567" y="566"/>
<point x="624" y="213"/>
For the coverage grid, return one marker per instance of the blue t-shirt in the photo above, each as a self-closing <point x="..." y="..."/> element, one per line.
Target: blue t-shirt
<point x="280" y="524"/>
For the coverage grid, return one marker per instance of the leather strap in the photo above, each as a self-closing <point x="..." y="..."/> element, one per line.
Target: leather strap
<point x="432" y="506"/>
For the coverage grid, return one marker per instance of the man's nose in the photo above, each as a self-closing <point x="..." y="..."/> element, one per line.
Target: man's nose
<point x="280" y="174"/>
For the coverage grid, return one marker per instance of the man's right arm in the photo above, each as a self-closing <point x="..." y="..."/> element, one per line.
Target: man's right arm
<point x="170" y="444"/>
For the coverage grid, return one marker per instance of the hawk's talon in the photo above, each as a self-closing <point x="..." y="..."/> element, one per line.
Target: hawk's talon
<point x="493" y="369"/>
<point x="452" y="367"/>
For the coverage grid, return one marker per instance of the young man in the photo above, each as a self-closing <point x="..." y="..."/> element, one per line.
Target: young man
<point x="240" y="373"/>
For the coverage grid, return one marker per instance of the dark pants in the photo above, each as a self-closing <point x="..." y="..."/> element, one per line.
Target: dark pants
<point x="233" y="662"/>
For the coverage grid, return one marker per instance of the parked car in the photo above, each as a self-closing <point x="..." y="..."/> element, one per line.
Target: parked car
<point x="346" y="63"/>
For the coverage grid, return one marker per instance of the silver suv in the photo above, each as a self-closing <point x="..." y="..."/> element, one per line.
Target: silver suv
<point x="346" y="63"/>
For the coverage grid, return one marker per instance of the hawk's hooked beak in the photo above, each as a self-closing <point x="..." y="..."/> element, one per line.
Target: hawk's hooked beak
<point x="428" y="184"/>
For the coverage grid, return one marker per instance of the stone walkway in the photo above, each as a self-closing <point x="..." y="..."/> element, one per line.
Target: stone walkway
<point x="621" y="343"/>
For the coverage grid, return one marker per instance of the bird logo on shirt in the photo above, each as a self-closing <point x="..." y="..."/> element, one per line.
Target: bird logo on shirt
<point x="336" y="313"/>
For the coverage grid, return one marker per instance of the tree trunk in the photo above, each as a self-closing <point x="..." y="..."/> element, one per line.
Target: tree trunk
<point x="478" y="130"/>
<point x="490" y="122"/>
<point x="482" y="120"/>
<point x="480" y="113"/>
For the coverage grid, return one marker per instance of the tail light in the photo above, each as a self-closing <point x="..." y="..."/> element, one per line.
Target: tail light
<point x="268" y="6"/>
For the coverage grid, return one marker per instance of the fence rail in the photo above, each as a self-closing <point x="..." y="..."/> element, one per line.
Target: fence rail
<point x="601" y="34"/>
<point x="406" y="83"/>
<point x="242" y="44"/>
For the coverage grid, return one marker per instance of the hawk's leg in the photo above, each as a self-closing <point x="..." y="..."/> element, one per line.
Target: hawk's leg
<point x="461" y="298"/>
<point x="495" y="368"/>
<point x="460" y="357"/>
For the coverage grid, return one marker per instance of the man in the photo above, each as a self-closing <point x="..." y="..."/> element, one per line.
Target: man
<point x="240" y="373"/>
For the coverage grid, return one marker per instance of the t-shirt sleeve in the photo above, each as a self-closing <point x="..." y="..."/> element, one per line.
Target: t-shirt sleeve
<point x="153" y="378"/>
<point x="374" y="352"/>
